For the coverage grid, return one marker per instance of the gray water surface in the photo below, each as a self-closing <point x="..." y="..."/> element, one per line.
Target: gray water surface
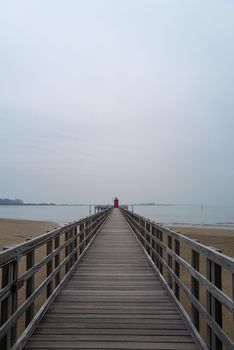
<point x="214" y="216"/>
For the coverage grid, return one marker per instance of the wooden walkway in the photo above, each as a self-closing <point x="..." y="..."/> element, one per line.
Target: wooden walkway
<point x="113" y="301"/>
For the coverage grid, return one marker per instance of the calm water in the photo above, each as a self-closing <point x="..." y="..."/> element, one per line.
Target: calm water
<point x="218" y="216"/>
<point x="58" y="214"/>
<point x="187" y="215"/>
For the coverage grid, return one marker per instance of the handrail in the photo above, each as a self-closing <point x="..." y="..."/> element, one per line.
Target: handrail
<point x="57" y="253"/>
<point x="163" y="247"/>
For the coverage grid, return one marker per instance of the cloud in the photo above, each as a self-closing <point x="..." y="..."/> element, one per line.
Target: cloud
<point x="128" y="97"/>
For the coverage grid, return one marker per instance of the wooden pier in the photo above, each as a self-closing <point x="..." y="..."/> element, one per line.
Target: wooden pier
<point x="112" y="282"/>
<point x="113" y="301"/>
<point x="98" y="208"/>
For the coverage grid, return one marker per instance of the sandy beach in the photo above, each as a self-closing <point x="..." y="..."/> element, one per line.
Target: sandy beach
<point x="220" y="238"/>
<point x="14" y="231"/>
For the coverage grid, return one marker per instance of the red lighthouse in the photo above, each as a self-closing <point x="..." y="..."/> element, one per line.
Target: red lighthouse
<point x="116" y="202"/>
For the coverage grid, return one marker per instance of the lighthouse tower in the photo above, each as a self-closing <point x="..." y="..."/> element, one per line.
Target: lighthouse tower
<point x="116" y="202"/>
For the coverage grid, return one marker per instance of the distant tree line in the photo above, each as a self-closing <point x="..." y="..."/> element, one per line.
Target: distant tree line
<point x="39" y="204"/>
<point x="7" y="201"/>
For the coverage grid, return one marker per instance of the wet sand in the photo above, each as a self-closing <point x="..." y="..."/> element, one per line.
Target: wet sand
<point x="14" y="231"/>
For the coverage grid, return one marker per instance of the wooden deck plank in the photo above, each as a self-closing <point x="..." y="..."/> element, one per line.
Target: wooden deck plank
<point x="111" y="325"/>
<point x="113" y="337"/>
<point x="113" y="301"/>
<point x="93" y="331"/>
<point x="46" y="344"/>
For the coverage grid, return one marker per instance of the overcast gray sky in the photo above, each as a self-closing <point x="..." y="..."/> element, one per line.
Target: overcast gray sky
<point x="129" y="98"/>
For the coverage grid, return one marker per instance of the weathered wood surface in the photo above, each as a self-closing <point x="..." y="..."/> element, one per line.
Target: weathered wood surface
<point x="113" y="301"/>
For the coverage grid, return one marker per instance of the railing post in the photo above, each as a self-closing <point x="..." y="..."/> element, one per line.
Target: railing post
<point x="9" y="304"/>
<point x="30" y="261"/>
<point x="177" y="267"/>
<point x="75" y="244"/>
<point x="147" y="237"/>
<point x="153" y="245"/>
<point x="71" y="247"/>
<point x="68" y="249"/>
<point x="49" y="267"/>
<point x="169" y="261"/>
<point x="82" y="236"/>
<point x="78" y="240"/>
<point x="57" y="260"/>
<point x="139" y="230"/>
<point x="214" y="307"/>
<point x="66" y="252"/>
<point x="150" y="240"/>
<point x="140" y="233"/>
<point x="87" y="233"/>
<point x="143" y="233"/>
<point x="135" y="223"/>
<point x="195" y="290"/>
<point x="160" y="250"/>
<point x="92" y="228"/>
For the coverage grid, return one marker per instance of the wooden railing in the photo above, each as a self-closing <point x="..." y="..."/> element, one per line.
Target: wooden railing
<point x="33" y="273"/>
<point x="166" y="250"/>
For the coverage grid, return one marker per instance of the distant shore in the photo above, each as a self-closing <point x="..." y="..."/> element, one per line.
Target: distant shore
<point x="15" y="231"/>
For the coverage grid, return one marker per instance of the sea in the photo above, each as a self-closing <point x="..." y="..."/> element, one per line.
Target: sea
<point x="180" y="214"/>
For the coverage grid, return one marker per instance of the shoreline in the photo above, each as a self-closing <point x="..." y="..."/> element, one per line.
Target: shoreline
<point x="15" y="231"/>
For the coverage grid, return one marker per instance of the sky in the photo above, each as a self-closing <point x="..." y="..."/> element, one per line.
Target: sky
<point x="123" y="98"/>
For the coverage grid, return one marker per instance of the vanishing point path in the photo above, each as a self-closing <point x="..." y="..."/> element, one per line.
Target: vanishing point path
<point x="113" y="301"/>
